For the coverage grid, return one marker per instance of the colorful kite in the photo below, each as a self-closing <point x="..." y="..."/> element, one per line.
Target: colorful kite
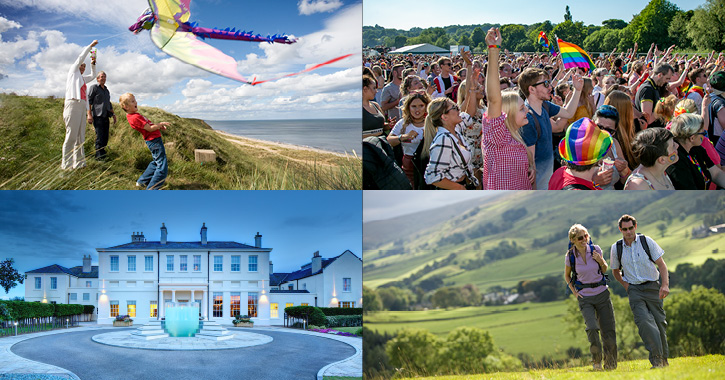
<point x="574" y="56"/>
<point x="171" y="31"/>
<point x="544" y="41"/>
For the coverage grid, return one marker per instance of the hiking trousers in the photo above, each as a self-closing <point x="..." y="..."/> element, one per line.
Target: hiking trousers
<point x="598" y="314"/>
<point x="649" y="316"/>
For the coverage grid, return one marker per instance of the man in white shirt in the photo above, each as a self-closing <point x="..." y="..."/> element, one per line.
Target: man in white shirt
<point x="75" y="109"/>
<point x="446" y="82"/>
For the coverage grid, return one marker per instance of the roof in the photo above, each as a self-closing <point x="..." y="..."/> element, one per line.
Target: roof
<point x="75" y="271"/>
<point x="288" y="291"/>
<point x="306" y="270"/>
<point x="156" y="245"/>
<point x="277" y="278"/>
<point x="420" y="49"/>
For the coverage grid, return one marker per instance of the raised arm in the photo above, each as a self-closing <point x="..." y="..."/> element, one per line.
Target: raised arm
<point x="493" y="87"/>
<point x="83" y="55"/>
<point x="470" y="107"/>
<point x="568" y="111"/>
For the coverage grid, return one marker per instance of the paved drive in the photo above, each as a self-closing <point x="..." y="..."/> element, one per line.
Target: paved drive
<point x="288" y="356"/>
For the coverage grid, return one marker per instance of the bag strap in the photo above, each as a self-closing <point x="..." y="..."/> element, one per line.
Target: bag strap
<point x="468" y="174"/>
<point x="575" y="186"/>
<point x="643" y="241"/>
<point x="536" y="123"/>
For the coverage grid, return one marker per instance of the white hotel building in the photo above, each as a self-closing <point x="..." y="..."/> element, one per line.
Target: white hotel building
<point x="225" y="278"/>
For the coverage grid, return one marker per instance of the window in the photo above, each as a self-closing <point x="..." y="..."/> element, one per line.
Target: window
<point x="291" y="287"/>
<point x="218" y="263"/>
<point x="169" y="263"/>
<point x="218" y="304"/>
<point x="252" y="304"/>
<point x="114" y="309"/>
<point x="114" y="263"/>
<point x="304" y="286"/>
<point x="131" y="309"/>
<point x="346" y="304"/>
<point x="234" y="302"/>
<point x="346" y="284"/>
<point x="132" y="263"/>
<point x="304" y="304"/>
<point x="274" y="310"/>
<point x="154" y="307"/>
<point x="89" y="284"/>
<point x="86" y="296"/>
<point x="148" y="263"/>
<point x="288" y="304"/>
<point x="236" y="263"/>
<point x="197" y="263"/>
<point x="253" y="263"/>
<point x="38" y="282"/>
<point x="54" y="282"/>
<point x="182" y="263"/>
<point x="74" y="297"/>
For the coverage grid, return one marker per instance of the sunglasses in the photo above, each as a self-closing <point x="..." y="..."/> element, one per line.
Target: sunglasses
<point x="612" y="132"/>
<point x="625" y="229"/>
<point x="544" y="82"/>
<point x="455" y="107"/>
<point x="703" y="133"/>
<point x="582" y="237"/>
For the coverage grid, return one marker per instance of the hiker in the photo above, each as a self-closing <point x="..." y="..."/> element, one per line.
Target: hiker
<point x="74" y="111"/>
<point x="584" y="269"/>
<point x="99" y="110"/>
<point x="637" y="264"/>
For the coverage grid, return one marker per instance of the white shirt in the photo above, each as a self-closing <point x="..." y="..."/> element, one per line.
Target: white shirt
<point x="75" y="80"/>
<point x="408" y="147"/>
<point x="636" y="264"/>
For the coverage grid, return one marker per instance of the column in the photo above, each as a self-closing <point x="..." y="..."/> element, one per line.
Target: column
<point x="173" y="296"/>
<point x="162" y="306"/>
<point x="204" y="306"/>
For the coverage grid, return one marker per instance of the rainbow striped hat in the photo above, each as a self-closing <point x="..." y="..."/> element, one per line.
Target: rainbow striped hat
<point x="584" y="143"/>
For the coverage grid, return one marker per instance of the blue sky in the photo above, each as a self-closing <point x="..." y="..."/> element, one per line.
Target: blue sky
<point x="40" y="39"/>
<point x="405" y="14"/>
<point x="383" y="205"/>
<point x="41" y="228"/>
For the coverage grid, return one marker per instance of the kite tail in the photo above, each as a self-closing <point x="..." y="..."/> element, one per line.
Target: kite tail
<point x="255" y="81"/>
<point x="233" y="34"/>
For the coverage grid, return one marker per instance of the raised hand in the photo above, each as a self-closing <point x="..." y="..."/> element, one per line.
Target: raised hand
<point x="466" y="57"/>
<point x="577" y="81"/>
<point x="493" y="37"/>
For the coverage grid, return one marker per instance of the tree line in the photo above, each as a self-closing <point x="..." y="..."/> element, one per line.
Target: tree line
<point x="660" y="22"/>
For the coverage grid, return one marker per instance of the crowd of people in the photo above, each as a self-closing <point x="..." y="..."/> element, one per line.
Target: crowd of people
<point x="511" y="121"/>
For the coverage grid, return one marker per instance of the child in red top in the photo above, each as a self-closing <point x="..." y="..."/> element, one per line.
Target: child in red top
<point x="155" y="174"/>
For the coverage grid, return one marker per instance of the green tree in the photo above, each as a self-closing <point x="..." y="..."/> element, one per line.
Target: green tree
<point x="371" y="301"/>
<point x="567" y="15"/>
<point x="614" y="23"/>
<point x="512" y="35"/>
<point x="400" y="41"/>
<point x="663" y="228"/>
<point x="706" y="28"/>
<point x="574" y="32"/>
<point x="465" y="350"/>
<point x="651" y="24"/>
<point x="394" y="298"/>
<point x="9" y="276"/>
<point x="478" y="36"/>
<point x="695" y="322"/>
<point x="414" y="352"/>
<point x="464" y="40"/>
<point x="678" y="29"/>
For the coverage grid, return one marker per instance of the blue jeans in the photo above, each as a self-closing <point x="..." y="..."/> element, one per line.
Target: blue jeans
<point x="155" y="174"/>
<point x="544" y="170"/>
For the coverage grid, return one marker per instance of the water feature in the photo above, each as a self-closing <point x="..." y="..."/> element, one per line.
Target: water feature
<point x="182" y="319"/>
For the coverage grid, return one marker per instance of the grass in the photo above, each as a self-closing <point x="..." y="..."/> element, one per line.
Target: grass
<point x="694" y="368"/>
<point x="33" y="134"/>
<point x="346" y="329"/>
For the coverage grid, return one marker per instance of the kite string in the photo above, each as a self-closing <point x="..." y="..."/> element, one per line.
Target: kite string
<point x="115" y="35"/>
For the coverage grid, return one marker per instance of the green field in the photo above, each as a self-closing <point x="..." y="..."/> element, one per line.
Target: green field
<point x="709" y="367"/>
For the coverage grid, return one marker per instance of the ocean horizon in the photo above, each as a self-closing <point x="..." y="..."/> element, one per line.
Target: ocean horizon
<point x="335" y="135"/>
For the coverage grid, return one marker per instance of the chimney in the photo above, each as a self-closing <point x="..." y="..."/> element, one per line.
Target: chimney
<point x="203" y="233"/>
<point x="316" y="262"/>
<point x="86" y="264"/>
<point x="163" y="233"/>
<point x="258" y="240"/>
<point x="271" y="267"/>
<point x="137" y="237"/>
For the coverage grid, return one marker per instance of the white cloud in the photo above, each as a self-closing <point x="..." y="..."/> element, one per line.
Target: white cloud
<point x="6" y="24"/>
<point x="308" y="7"/>
<point x="118" y="13"/>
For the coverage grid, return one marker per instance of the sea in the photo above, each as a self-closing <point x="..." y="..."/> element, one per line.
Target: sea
<point x="335" y="135"/>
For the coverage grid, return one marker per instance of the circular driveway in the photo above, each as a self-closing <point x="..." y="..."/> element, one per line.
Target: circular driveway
<point x="288" y="356"/>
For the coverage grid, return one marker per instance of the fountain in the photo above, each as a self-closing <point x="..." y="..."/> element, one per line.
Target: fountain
<point x="182" y="319"/>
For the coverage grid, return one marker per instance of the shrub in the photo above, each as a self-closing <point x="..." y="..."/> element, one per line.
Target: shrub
<point x="61" y="310"/>
<point x="344" y="321"/>
<point x="312" y="314"/>
<point x="123" y="318"/>
<point x="359" y="331"/>
<point x="88" y="309"/>
<point x="332" y="311"/>
<point x="242" y="319"/>
<point x="313" y="327"/>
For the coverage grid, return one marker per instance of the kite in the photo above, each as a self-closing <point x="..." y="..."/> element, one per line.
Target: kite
<point x="171" y="31"/>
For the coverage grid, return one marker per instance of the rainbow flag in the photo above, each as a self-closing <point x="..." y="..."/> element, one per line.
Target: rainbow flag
<point x="542" y="40"/>
<point x="574" y="56"/>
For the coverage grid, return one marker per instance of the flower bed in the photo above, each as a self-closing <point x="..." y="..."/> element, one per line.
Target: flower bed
<point x="334" y="332"/>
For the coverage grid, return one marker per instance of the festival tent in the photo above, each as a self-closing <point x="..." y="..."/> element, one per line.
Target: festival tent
<point x="421" y="49"/>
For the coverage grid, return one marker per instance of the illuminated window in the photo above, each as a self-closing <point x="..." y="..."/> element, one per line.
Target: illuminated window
<point x="54" y="282"/>
<point x="236" y="263"/>
<point x="252" y="304"/>
<point x="274" y="310"/>
<point x="288" y="304"/>
<point x="218" y="304"/>
<point x="86" y="296"/>
<point x="197" y="263"/>
<point x="253" y="263"/>
<point x="131" y="308"/>
<point x="114" y="263"/>
<point x="74" y="297"/>
<point x="234" y="302"/>
<point x="169" y="263"/>
<point x="148" y="263"/>
<point x="154" y="307"/>
<point x="88" y="284"/>
<point x="38" y="282"/>
<point x="182" y="263"/>
<point x="218" y="263"/>
<point x="132" y="263"/>
<point x="346" y="304"/>
<point x="114" y="309"/>
<point x="304" y="304"/>
<point x="346" y="284"/>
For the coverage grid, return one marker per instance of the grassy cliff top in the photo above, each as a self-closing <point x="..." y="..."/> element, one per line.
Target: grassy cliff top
<point x="33" y="132"/>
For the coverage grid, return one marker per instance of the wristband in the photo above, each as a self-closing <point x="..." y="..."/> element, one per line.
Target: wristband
<point x="494" y="46"/>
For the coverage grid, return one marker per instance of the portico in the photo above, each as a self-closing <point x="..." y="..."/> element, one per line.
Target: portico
<point x="183" y="293"/>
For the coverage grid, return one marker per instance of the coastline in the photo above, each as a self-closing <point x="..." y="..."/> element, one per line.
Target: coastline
<point x="273" y="145"/>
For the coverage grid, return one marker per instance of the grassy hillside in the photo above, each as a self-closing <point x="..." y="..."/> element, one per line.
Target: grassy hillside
<point x="549" y="219"/>
<point x="33" y="132"/>
<point x="709" y="367"/>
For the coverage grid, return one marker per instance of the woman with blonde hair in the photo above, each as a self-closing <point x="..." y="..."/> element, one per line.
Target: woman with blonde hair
<point x="694" y="170"/>
<point x="409" y="131"/>
<point x="664" y="109"/>
<point x="625" y="133"/>
<point x="506" y="161"/>
<point x="584" y="269"/>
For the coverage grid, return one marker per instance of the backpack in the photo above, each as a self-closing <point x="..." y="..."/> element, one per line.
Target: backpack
<point x="717" y="100"/>
<point x="578" y="285"/>
<point x="620" y="248"/>
<point x="544" y="106"/>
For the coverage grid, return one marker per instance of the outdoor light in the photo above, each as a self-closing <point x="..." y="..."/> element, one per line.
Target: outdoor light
<point x="66" y="322"/>
<point x="16" y="328"/>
